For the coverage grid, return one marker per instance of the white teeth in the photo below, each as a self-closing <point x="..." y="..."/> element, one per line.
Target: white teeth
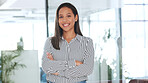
<point x="65" y="25"/>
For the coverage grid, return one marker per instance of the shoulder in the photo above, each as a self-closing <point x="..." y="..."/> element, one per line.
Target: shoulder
<point x="84" y="39"/>
<point x="48" y="40"/>
<point x="87" y="42"/>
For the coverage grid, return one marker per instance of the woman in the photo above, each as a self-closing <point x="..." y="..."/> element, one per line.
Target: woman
<point x="68" y="55"/>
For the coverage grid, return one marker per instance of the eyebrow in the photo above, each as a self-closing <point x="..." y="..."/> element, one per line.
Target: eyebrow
<point x="67" y="13"/>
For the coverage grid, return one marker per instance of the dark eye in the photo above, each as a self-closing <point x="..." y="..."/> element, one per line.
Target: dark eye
<point x="60" y="16"/>
<point x="69" y="16"/>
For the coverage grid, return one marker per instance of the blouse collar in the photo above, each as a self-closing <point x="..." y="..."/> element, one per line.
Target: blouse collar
<point x="78" y="37"/>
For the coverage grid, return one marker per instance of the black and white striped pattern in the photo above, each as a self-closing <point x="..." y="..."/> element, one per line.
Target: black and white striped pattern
<point x="80" y="48"/>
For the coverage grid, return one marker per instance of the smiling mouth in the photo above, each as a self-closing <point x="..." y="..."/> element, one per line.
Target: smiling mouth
<point x="66" y="25"/>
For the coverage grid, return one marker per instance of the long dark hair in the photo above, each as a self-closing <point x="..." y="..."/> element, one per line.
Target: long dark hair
<point x="58" y="30"/>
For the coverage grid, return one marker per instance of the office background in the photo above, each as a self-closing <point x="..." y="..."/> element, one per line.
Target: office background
<point x="119" y="30"/>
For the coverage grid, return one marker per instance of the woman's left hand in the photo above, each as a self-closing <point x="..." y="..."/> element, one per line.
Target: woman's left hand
<point x="56" y="73"/>
<point x="49" y="56"/>
<point x="78" y="62"/>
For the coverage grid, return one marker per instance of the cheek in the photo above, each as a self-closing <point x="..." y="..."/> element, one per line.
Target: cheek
<point x="60" y="23"/>
<point x="73" y="21"/>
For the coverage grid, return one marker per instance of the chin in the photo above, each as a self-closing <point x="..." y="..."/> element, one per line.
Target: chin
<point x="65" y="30"/>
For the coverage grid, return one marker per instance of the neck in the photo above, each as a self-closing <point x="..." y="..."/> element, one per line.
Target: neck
<point x="69" y="35"/>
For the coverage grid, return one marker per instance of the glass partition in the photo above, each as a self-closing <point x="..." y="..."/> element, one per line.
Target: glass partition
<point x="135" y="40"/>
<point x="105" y="32"/>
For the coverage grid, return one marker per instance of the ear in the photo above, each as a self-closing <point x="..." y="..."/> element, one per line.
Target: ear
<point x="76" y="18"/>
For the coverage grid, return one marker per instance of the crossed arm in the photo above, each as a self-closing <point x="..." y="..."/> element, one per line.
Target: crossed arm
<point x="71" y="68"/>
<point x="49" y="56"/>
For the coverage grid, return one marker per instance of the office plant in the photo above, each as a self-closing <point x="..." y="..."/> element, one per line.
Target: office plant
<point x="10" y="63"/>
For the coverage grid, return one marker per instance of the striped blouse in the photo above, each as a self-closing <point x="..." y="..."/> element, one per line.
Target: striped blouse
<point x="79" y="48"/>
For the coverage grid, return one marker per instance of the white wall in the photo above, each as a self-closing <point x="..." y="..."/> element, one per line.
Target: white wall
<point x="30" y="74"/>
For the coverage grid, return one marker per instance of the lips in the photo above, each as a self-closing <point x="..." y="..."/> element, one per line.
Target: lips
<point x="66" y="25"/>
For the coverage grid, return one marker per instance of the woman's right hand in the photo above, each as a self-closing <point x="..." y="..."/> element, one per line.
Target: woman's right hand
<point x="78" y="62"/>
<point x="49" y="56"/>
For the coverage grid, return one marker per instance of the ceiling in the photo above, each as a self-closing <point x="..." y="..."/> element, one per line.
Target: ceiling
<point x="2" y="2"/>
<point x="86" y="7"/>
<point x="20" y="11"/>
<point x="34" y="10"/>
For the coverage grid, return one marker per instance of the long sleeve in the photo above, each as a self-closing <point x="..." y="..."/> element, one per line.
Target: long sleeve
<point x="49" y="66"/>
<point x="84" y="69"/>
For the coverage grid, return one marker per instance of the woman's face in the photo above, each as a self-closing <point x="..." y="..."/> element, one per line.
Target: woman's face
<point x="67" y="19"/>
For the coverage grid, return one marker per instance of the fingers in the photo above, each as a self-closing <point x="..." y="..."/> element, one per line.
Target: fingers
<point x="49" y="56"/>
<point x="56" y="73"/>
<point x="78" y="63"/>
<point x="48" y="53"/>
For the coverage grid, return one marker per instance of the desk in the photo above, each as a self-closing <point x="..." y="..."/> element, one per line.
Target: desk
<point x="138" y="81"/>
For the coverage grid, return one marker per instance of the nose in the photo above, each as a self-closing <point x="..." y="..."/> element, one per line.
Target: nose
<point x="64" y="19"/>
